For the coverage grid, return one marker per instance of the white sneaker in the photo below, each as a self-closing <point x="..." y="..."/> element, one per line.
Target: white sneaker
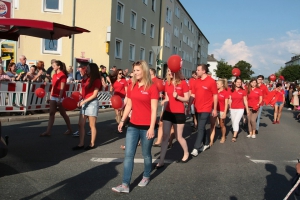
<point x="89" y="133"/>
<point x="75" y="134"/>
<point x="205" y="147"/>
<point x="249" y="136"/>
<point x="289" y="109"/>
<point x="194" y="152"/>
<point x="253" y="136"/>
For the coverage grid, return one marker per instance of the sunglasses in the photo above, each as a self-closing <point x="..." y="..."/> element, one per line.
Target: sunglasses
<point x="120" y="73"/>
<point x="130" y="76"/>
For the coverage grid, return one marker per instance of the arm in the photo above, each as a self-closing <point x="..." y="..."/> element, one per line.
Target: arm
<point x="246" y="104"/>
<point x="62" y="86"/>
<point x="103" y="82"/>
<point x="185" y="98"/>
<point x="126" y="112"/>
<point x="150" y="132"/>
<point x="94" y="95"/>
<point x="225" y="109"/>
<point x="260" y="100"/>
<point x="215" y="98"/>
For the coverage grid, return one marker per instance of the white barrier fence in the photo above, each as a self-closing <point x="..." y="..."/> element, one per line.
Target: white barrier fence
<point x="20" y="96"/>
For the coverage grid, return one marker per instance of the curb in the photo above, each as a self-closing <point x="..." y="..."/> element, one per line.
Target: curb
<point x="45" y="116"/>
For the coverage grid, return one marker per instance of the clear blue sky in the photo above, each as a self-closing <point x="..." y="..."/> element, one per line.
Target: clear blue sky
<point x="264" y="33"/>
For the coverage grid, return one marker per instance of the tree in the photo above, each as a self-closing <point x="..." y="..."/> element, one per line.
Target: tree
<point x="223" y="70"/>
<point x="245" y="69"/>
<point x="291" y="73"/>
<point x="278" y="73"/>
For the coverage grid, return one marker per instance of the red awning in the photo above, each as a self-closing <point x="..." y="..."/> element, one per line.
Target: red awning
<point x="37" y="28"/>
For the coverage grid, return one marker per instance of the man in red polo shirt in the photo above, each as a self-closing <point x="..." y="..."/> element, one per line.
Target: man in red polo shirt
<point x="205" y="93"/>
<point x="265" y="92"/>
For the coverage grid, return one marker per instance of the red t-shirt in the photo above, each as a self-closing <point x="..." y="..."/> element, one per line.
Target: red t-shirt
<point x="119" y="88"/>
<point x="57" y="79"/>
<point x="279" y="95"/>
<point x="129" y="82"/>
<point x="174" y="105"/>
<point x="237" y="99"/>
<point x="86" y="92"/>
<point x="154" y="79"/>
<point x="253" y="97"/>
<point x="204" y="91"/>
<point x="222" y="96"/>
<point x="264" y="90"/>
<point x="141" y="103"/>
<point x="191" y="82"/>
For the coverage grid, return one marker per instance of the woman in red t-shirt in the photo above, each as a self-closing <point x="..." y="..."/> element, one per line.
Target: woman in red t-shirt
<point x="279" y="96"/>
<point x="254" y="95"/>
<point x="57" y="94"/>
<point x="119" y="86"/>
<point x="90" y="86"/>
<point x="222" y="107"/>
<point x="238" y="102"/>
<point x="142" y="99"/>
<point x="177" y="92"/>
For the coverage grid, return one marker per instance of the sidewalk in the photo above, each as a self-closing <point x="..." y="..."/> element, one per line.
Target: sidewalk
<point x="37" y="116"/>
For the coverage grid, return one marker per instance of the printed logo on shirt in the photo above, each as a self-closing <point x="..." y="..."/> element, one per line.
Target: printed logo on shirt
<point x="256" y="92"/>
<point x="178" y="88"/>
<point x="240" y="93"/>
<point x="144" y="92"/>
<point x="121" y="83"/>
<point x="221" y="95"/>
<point x="204" y="87"/>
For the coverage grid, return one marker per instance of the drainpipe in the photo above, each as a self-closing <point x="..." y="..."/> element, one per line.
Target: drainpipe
<point x="72" y="44"/>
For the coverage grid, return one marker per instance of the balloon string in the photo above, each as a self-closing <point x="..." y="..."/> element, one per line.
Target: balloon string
<point x="174" y="82"/>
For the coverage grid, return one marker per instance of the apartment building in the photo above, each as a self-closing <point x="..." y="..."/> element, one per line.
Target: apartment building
<point x="295" y="60"/>
<point x="181" y="35"/>
<point x="121" y="31"/>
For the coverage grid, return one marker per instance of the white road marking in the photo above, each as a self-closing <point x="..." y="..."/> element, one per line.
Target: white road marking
<point x="270" y="161"/>
<point x="120" y="160"/>
<point x="261" y="161"/>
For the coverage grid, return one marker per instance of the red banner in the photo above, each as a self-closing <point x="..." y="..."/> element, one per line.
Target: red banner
<point x="5" y="12"/>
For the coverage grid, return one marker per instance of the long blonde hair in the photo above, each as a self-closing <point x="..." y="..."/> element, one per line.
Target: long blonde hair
<point x="224" y="82"/>
<point x="178" y="77"/>
<point x="146" y="74"/>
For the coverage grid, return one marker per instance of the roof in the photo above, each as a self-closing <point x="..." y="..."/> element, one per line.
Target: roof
<point x="211" y="58"/>
<point x="294" y="58"/>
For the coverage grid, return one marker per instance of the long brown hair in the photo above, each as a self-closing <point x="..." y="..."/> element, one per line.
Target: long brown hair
<point x="10" y="65"/>
<point x="94" y="73"/>
<point x="62" y="67"/>
<point x="40" y="65"/>
<point x="178" y="77"/>
<point x="249" y="85"/>
<point x="234" y="86"/>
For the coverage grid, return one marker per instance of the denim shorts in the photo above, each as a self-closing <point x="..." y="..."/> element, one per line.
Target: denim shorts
<point x="90" y="108"/>
<point x="278" y="103"/>
<point x="56" y="99"/>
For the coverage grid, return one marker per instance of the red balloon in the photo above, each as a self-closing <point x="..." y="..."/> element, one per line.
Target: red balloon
<point x="272" y="77"/>
<point x="236" y="72"/>
<point x="116" y="102"/>
<point x="76" y="96"/>
<point x="69" y="104"/>
<point x="174" y="63"/>
<point x="160" y="85"/>
<point x="40" y="92"/>
<point x="281" y="77"/>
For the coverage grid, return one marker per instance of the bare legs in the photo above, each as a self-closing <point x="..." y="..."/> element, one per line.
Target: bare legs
<point x="212" y="129"/>
<point x="81" y="124"/>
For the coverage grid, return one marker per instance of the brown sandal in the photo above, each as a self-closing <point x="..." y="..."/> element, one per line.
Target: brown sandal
<point x="233" y="139"/>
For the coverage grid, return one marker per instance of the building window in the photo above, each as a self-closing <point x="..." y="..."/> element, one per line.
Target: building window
<point x="133" y="20"/>
<point x="167" y="39"/>
<point x="118" y="48"/>
<point x="131" y="52"/>
<point x="51" y="46"/>
<point x="120" y="12"/>
<point x="144" y="25"/>
<point x="152" y="31"/>
<point x="153" y="5"/>
<point x="150" y="57"/>
<point x="175" y="50"/>
<point x="142" y="54"/>
<point x="52" y="5"/>
<point x="145" y="2"/>
<point x="169" y="15"/>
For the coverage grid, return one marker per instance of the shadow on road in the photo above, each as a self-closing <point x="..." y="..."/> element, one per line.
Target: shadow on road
<point x="80" y="186"/>
<point x="277" y="184"/>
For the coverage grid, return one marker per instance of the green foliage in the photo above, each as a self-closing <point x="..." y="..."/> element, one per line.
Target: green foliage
<point x="291" y="73"/>
<point x="223" y="70"/>
<point x="278" y="73"/>
<point x="245" y="69"/>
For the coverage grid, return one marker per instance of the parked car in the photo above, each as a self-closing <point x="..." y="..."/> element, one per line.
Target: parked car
<point x="3" y="144"/>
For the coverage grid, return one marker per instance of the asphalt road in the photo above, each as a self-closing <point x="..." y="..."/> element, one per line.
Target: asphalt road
<point x="47" y="168"/>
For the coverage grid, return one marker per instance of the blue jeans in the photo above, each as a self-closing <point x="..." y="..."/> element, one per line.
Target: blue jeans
<point x="258" y="117"/>
<point x="133" y="136"/>
<point x="202" y="134"/>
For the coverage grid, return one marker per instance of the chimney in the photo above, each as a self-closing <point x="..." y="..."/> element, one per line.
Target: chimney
<point x="212" y="55"/>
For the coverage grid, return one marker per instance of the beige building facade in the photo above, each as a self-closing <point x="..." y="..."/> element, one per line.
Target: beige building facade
<point x="121" y="32"/>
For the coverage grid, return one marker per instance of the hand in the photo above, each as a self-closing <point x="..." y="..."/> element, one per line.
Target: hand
<point x="162" y="103"/>
<point x="150" y="133"/>
<point x="79" y="104"/>
<point x="214" y="113"/>
<point x="120" y="126"/>
<point x="248" y="112"/>
<point x="175" y="94"/>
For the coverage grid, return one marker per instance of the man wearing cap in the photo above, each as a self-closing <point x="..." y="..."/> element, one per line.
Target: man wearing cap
<point x="22" y="64"/>
<point x="80" y="73"/>
<point x="104" y="76"/>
